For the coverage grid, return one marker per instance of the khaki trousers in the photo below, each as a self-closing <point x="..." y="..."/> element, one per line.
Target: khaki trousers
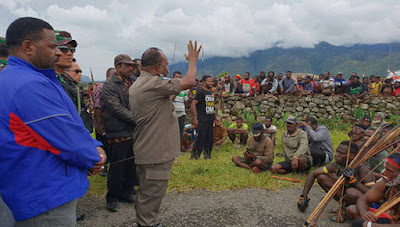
<point x="153" y="180"/>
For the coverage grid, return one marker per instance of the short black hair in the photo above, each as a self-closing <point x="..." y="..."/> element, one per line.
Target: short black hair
<point x="355" y="77"/>
<point x="288" y="72"/>
<point x="239" y="119"/>
<point x="176" y="72"/>
<point x="205" y="77"/>
<point x="247" y="73"/>
<point x="108" y="70"/>
<point x="354" y="147"/>
<point x="372" y="76"/>
<point x="151" y="57"/>
<point x="273" y="73"/>
<point x="3" y="50"/>
<point x="312" y="120"/>
<point x="25" y="28"/>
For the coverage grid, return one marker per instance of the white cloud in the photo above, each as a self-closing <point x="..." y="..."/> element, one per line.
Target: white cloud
<point x="234" y="28"/>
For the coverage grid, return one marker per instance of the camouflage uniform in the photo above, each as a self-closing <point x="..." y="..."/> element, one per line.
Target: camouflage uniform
<point x="70" y="86"/>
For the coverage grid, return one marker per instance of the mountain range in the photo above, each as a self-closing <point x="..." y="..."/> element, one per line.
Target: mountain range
<point x="373" y="58"/>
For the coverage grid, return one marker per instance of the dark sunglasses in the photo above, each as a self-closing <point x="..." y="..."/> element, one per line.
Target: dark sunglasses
<point x="76" y="71"/>
<point x="64" y="49"/>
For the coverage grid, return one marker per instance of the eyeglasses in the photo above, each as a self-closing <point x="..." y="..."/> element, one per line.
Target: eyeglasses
<point x="64" y="49"/>
<point x="77" y="71"/>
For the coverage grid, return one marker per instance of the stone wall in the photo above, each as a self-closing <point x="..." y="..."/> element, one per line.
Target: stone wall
<point x="320" y="106"/>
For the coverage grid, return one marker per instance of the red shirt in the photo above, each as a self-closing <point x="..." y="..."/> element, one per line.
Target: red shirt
<point x="248" y="85"/>
<point x="397" y="91"/>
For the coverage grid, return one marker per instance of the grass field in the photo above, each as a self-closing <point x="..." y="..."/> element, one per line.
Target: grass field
<point x="219" y="173"/>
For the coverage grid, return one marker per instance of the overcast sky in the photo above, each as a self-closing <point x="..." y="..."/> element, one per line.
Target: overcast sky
<point x="231" y="28"/>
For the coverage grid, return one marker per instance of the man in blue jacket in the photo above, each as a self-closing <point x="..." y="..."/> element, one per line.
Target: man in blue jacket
<point x="45" y="151"/>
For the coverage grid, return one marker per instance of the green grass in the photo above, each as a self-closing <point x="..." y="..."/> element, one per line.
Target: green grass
<point x="220" y="173"/>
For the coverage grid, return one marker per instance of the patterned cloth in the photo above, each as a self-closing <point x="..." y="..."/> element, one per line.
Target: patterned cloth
<point x="96" y="96"/>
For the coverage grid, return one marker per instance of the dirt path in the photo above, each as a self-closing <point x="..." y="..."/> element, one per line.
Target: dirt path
<point x="245" y="207"/>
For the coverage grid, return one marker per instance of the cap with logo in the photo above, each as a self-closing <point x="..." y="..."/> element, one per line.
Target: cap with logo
<point x="64" y="38"/>
<point x="292" y="120"/>
<point x="123" y="58"/>
<point x="257" y="129"/>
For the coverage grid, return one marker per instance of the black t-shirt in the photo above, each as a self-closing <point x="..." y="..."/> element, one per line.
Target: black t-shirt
<point x="206" y="106"/>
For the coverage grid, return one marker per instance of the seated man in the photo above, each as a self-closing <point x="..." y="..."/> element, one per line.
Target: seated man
<point x="238" y="89"/>
<point x="259" y="154"/>
<point x="366" y="121"/>
<point x="269" y="129"/>
<point x="396" y="88"/>
<point x="307" y="86"/>
<point x="269" y="85"/>
<point x="239" y="128"/>
<point x="357" y="134"/>
<point x="327" y="84"/>
<point x="287" y="84"/>
<point x="356" y="90"/>
<point x="220" y="133"/>
<point x="328" y="175"/>
<point x="381" y="192"/>
<point x="319" y="141"/>
<point x="379" y="119"/>
<point x="296" y="151"/>
<point x="375" y="161"/>
<point x="340" y="83"/>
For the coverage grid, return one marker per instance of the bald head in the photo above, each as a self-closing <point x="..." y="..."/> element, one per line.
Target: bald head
<point x="151" y="57"/>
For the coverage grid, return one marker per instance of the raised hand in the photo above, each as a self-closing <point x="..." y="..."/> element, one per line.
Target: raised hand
<point x="193" y="52"/>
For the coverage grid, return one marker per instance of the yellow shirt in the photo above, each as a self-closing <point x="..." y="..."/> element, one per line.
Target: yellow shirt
<point x="376" y="88"/>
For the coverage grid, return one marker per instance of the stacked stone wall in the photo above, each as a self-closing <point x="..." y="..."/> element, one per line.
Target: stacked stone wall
<point x="320" y="106"/>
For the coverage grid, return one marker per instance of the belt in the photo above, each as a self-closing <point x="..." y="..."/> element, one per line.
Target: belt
<point x="119" y="139"/>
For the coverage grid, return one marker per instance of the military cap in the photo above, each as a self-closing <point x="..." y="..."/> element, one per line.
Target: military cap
<point x="64" y="38"/>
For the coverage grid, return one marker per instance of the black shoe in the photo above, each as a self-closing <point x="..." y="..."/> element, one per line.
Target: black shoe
<point x="80" y="217"/>
<point x="302" y="204"/>
<point x="112" y="206"/>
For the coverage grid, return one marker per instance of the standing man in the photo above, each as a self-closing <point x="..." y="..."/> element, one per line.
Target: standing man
<point x="118" y="125"/>
<point x="287" y="84"/>
<point x="45" y="151"/>
<point x="319" y="141"/>
<point x="156" y="140"/>
<point x="97" y="119"/>
<point x="179" y="103"/>
<point x="203" y="117"/>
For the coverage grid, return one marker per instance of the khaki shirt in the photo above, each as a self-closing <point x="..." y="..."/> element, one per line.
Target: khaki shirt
<point x="156" y="136"/>
<point x="264" y="151"/>
<point x="296" y="145"/>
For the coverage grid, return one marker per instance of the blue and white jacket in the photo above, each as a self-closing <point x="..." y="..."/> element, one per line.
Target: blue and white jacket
<point x="45" y="149"/>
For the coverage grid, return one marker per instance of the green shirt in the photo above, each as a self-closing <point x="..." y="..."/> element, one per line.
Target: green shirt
<point x="376" y="160"/>
<point x="3" y="63"/>
<point x="296" y="145"/>
<point x="234" y="126"/>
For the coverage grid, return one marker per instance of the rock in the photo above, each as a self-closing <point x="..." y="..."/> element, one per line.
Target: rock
<point x="248" y="109"/>
<point x="312" y="104"/>
<point x="299" y="108"/>
<point x="390" y="106"/>
<point x="306" y="110"/>
<point x="329" y="109"/>
<point x="234" y="112"/>
<point x="239" y="106"/>
<point x="364" y="106"/>
<point x="307" y="99"/>
<point x="254" y="102"/>
<point x="315" y="109"/>
<point x="346" y="101"/>
<point x="339" y="104"/>
<point x="261" y="118"/>
<point x="322" y="110"/>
